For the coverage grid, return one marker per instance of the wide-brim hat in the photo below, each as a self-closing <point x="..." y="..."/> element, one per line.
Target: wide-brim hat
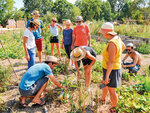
<point x="52" y="59"/>
<point x="77" y="54"/>
<point x="35" y="12"/>
<point x="130" y="45"/>
<point x="36" y="22"/>
<point x="107" y="28"/>
<point x="79" y="18"/>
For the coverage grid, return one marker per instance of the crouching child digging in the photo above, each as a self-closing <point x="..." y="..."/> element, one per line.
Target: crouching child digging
<point x="35" y="81"/>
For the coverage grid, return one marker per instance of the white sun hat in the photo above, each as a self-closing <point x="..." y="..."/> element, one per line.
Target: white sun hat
<point x="77" y="54"/>
<point x="107" y="28"/>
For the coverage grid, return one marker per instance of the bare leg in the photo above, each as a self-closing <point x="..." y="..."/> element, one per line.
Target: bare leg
<point x="104" y="93"/>
<point x="52" y="49"/>
<point x="40" y="56"/>
<point x="113" y="96"/>
<point x="57" y="46"/>
<point x="36" y="99"/>
<point x="87" y="73"/>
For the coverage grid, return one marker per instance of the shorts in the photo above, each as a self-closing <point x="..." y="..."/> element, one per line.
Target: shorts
<point x="115" y="78"/>
<point x="54" y="39"/>
<point x="68" y="50"/>
<point x="133" y="69"/>
<point x="39" y="44"/>
<point x="34" y="88"/>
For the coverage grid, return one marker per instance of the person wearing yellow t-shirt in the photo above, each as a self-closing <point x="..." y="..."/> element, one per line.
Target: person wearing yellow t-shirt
<point x="111" y="64"/>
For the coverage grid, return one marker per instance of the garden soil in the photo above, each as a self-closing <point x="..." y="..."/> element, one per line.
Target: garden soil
<point x="11" y="96"/>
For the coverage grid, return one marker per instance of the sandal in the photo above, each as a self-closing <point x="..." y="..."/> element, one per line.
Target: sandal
<point x="23" y="105"/>
<point x="41" y="104"/>
<point x="100" y="100"/>
<point x="112" y="110"/>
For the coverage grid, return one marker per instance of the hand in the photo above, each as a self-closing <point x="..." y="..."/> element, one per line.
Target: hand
<point x="123" y="66"/>
<point x="105" y="81"/>
<point x="72" y="47"/>
<point x="62" y="46"/>
<point x="89" y="45"/>
<point x="27" y="57"/>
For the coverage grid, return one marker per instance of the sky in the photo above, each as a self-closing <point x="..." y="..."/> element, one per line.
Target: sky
<point x="19" y="3"/>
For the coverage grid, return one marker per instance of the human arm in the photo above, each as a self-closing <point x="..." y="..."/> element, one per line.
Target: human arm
<point x="111" y="53"/>
<point x="57" y="83"/>
<point x="77" y="68"/>
<point x="123" y="46"/>
<point x="89" y="39"/>
<point x="91" y="57"/>
<point x="126" y="56"/>
<point x="25" y="39"/>
<point x="59" y="26"/>
<point x="73" y="41"/>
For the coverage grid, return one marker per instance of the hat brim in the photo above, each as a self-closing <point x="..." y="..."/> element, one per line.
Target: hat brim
<point x="78" y="58"/>
<point x="105" y="32"/>
<point x="35" y="23"/>
<point x="35" y="14"/>
<point x="51" y="62"/>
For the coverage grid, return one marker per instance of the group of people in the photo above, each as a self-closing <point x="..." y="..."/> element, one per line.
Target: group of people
<point x="77" y="44"/>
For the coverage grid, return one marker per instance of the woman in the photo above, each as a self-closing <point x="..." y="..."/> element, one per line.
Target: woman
<point x="111" y="64"/>
<point x="54" y="39"/>
<point x="88" y="57"/>
<point x="67" y="39"/>
<point x="29" y="42"/>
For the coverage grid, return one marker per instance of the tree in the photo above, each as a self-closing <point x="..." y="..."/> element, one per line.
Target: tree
<point x="65" y="10"/>
<point x="5" y="7"/>
<point x="106" y="11"/>
<point x="41" y="5"/>
<point x="90" y="9"/>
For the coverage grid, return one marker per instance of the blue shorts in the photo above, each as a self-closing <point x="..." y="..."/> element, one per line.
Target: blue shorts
<point x="34" y="88"/>
<point x="133" y="69"/>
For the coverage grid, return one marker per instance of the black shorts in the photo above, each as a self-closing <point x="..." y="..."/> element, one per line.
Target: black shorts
<point x="115" y="78"/>
<point x="54" y="39"/>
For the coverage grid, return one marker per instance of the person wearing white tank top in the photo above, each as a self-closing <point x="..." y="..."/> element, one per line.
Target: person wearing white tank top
<point x="54" y="39"/>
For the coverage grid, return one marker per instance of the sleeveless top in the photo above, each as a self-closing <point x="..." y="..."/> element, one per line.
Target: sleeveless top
<point x="117" y="62"/>
<point x="54" y="31"/>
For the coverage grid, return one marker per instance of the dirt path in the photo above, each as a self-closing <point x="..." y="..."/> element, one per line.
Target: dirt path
<point x="52" y="105"/>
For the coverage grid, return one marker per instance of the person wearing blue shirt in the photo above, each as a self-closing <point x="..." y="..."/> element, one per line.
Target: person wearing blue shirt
<point x="67" y="40"/>
<point x="35" y="81"/>
<point x="37" y="34"/>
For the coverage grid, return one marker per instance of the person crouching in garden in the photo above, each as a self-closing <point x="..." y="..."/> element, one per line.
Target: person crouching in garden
<point x="36" y="79"/>
<point x="67" y="40"/>
<point x="88" y="57"/>
<point x="135" y="65"/>
<point x="111" y="64"/>
<point x="54" y="39"/>
<point x="29" y="42"/>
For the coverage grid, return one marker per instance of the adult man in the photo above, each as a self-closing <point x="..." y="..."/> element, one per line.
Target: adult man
<point x="37" y="34"/>
<point x="81" y="34"/>
<point x="35" y="81"/>
<point x="133" y="66"/>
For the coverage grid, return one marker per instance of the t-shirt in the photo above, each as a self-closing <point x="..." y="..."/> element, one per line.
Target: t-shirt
<point x="33" y="74"/>
<point x="54" y="30"/>
<point x="31" y="38"/>
<point x="37" y="33"/>
<point x="81" y="33"/>
<point x="67" y="34"/>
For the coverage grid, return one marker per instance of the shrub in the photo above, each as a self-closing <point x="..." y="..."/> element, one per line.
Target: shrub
<point x="144" y="48"/>
<point x="5" y="73"/>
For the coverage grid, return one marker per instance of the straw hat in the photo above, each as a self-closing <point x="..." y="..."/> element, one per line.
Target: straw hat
<point x="54" y="19"/>
<point x="79" y="18"/>
<point x="35" y="12"/>
<point x="77" y="54"/>
<point x="36" y="22"/>
<point x="52" y="59"/>
<point x="107" y="28"/>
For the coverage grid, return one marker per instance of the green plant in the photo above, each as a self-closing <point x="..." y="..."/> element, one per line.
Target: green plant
<point x="5" y="73"/>
<point x="144" y="48"/>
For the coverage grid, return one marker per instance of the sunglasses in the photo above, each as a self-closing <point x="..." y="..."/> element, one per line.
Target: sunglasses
<point x="78" y="21"/>
<point x="128" y="49"/>
<point x="53" y="21"/>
